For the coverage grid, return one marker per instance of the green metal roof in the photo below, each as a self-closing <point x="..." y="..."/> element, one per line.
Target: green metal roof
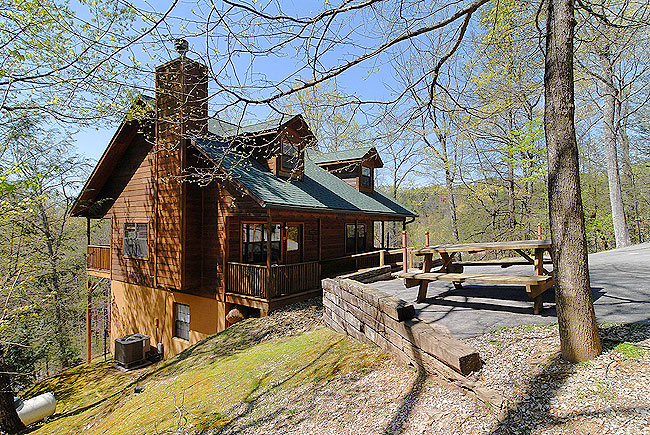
<point x="318" y="190"/>
<point x="225" y="129"/>
<point x="339" y="156"/>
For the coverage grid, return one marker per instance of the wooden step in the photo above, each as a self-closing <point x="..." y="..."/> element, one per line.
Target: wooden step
<point x="412" y="279"/>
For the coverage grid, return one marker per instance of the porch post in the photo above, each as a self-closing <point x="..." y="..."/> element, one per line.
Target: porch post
<point x="89" y="320"/>
<point x="405" y="258"/>
<point x="87" y="231"/>
<point x="383" y="235"/>
<point x="268" y="254"/>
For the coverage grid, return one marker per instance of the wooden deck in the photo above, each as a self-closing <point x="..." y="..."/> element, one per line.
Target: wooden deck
<point x="267" y="288"/>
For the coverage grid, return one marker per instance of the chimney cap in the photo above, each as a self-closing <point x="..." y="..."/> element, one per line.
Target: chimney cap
<point x="181" y="46"/>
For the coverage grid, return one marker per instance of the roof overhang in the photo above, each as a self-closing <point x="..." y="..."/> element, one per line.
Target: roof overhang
<point x="83" y="205"/>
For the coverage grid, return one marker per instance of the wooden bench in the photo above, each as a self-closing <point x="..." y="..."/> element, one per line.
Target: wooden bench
<point x="504" y="263"/>
<point x="535" y="284"/>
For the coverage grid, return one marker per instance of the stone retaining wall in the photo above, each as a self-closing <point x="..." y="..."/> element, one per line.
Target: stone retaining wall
<point x="374" y="317"/>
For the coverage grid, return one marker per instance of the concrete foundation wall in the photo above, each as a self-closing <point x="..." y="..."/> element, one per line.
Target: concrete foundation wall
<point x="141" y="309"/>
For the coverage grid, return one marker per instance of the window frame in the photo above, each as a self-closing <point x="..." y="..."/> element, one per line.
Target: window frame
<point x="178" y="305"/>
<point x="243" y="244"/>
<point x="362" y="248"/>
<point x="357" y="248"/>
<point x="284" y="157"/>
<point x="136" y="238"/>
<point x="368" y="177"/>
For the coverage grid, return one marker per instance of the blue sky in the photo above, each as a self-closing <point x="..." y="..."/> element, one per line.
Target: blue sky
<point x="367" y="81"/>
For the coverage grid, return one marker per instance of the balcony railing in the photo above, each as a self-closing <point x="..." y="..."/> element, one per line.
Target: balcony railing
<point x="282" y="279"/>
<point x="98" y="258"/>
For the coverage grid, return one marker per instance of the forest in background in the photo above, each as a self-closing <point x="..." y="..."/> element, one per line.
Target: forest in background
<point x="471" y="161"/>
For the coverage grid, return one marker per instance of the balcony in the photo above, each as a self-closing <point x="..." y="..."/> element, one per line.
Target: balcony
<point x="98" y="261"/>
<point x="258" y="287"/>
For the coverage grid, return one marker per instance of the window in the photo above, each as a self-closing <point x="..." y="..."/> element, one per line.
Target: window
<point x="366" y="176"/>
<point x="351" y="241"/>
<point x="182" y="321"/>
<point x="361" y="238"/>
<point x="293" y="238"/>
<point x="349" y="238"/>
<point x="290" y="155"/>
<point x="254" y="243"/>
<point x="136" y="240"/>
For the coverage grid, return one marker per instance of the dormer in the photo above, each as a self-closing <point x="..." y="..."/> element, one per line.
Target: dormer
<point x="287" y="156"/>
<point x="278" y="143"/>
<point x="354" y="166"/>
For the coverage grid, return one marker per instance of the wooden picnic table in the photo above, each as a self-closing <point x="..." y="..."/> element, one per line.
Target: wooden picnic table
<point x="536" y="284"/>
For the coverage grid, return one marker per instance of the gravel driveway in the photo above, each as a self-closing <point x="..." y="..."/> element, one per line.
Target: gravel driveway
<point x="620" y="281"/>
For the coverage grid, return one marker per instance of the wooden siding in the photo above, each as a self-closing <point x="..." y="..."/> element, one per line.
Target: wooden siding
<point x="181" y="101"/>
<point x="131" y="186"/>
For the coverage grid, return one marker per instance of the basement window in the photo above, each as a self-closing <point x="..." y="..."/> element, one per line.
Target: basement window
<point x="182" y="321"/>
<point x="136" y="240"/>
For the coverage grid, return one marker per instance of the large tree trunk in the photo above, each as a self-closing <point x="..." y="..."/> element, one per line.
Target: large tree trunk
<point x="575" y="309"/>
<point x="9" y="421"/>
<point x="621" y="233"/>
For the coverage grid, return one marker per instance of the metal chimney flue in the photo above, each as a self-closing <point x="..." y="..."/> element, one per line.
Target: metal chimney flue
<point x="181" y="46"/>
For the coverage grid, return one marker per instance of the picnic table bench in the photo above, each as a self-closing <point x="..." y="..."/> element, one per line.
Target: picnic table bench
<point x="536" y="284"/>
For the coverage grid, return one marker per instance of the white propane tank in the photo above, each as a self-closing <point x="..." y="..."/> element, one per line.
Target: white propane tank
<point x="37" y="408"/>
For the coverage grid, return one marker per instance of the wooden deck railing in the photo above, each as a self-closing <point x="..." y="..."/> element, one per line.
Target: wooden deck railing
<point x="364" y="260"/>
<point x="98" y="257"/>
<point x="283" y="279"/>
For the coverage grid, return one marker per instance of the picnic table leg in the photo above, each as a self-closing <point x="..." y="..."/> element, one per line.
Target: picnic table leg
<point x="538" y="304"/>
<point x="424" y="284"/>
<point x="447" y="265"/>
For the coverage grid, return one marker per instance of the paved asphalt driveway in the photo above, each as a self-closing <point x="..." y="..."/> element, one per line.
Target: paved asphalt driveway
<point x="620" y="281"/>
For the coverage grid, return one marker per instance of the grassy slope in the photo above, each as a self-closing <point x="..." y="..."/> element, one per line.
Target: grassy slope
<point x="208" y="382"/>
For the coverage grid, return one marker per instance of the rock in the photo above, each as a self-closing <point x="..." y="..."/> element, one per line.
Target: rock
<point x="237" y="314"/>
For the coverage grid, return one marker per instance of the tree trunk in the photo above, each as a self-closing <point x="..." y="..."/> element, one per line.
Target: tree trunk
<point x="628" y="174"/>
<point x="9" y="421"/>
<point x="449" y="183"/>
<point x="512" y="222"/>
<point x="62" y="335"/>
<point x="621" y="233"/>
<point x="575" y="309"/>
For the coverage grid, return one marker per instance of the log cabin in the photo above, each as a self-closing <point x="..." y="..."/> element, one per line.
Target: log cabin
<point x="207" y="215"/>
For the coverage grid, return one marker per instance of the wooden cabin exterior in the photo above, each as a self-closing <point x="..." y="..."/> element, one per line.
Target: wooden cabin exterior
<point x="207" y="215"/>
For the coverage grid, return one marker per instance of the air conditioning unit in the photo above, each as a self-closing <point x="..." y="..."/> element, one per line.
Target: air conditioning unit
<point x="131" y="350"/>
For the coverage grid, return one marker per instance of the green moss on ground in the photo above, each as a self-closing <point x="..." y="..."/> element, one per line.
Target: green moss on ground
<point x="207" y="382"/>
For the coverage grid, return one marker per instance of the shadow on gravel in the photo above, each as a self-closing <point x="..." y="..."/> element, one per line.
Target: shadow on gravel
<point x="534" y="410"/>
<point x="400" y="417"/>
